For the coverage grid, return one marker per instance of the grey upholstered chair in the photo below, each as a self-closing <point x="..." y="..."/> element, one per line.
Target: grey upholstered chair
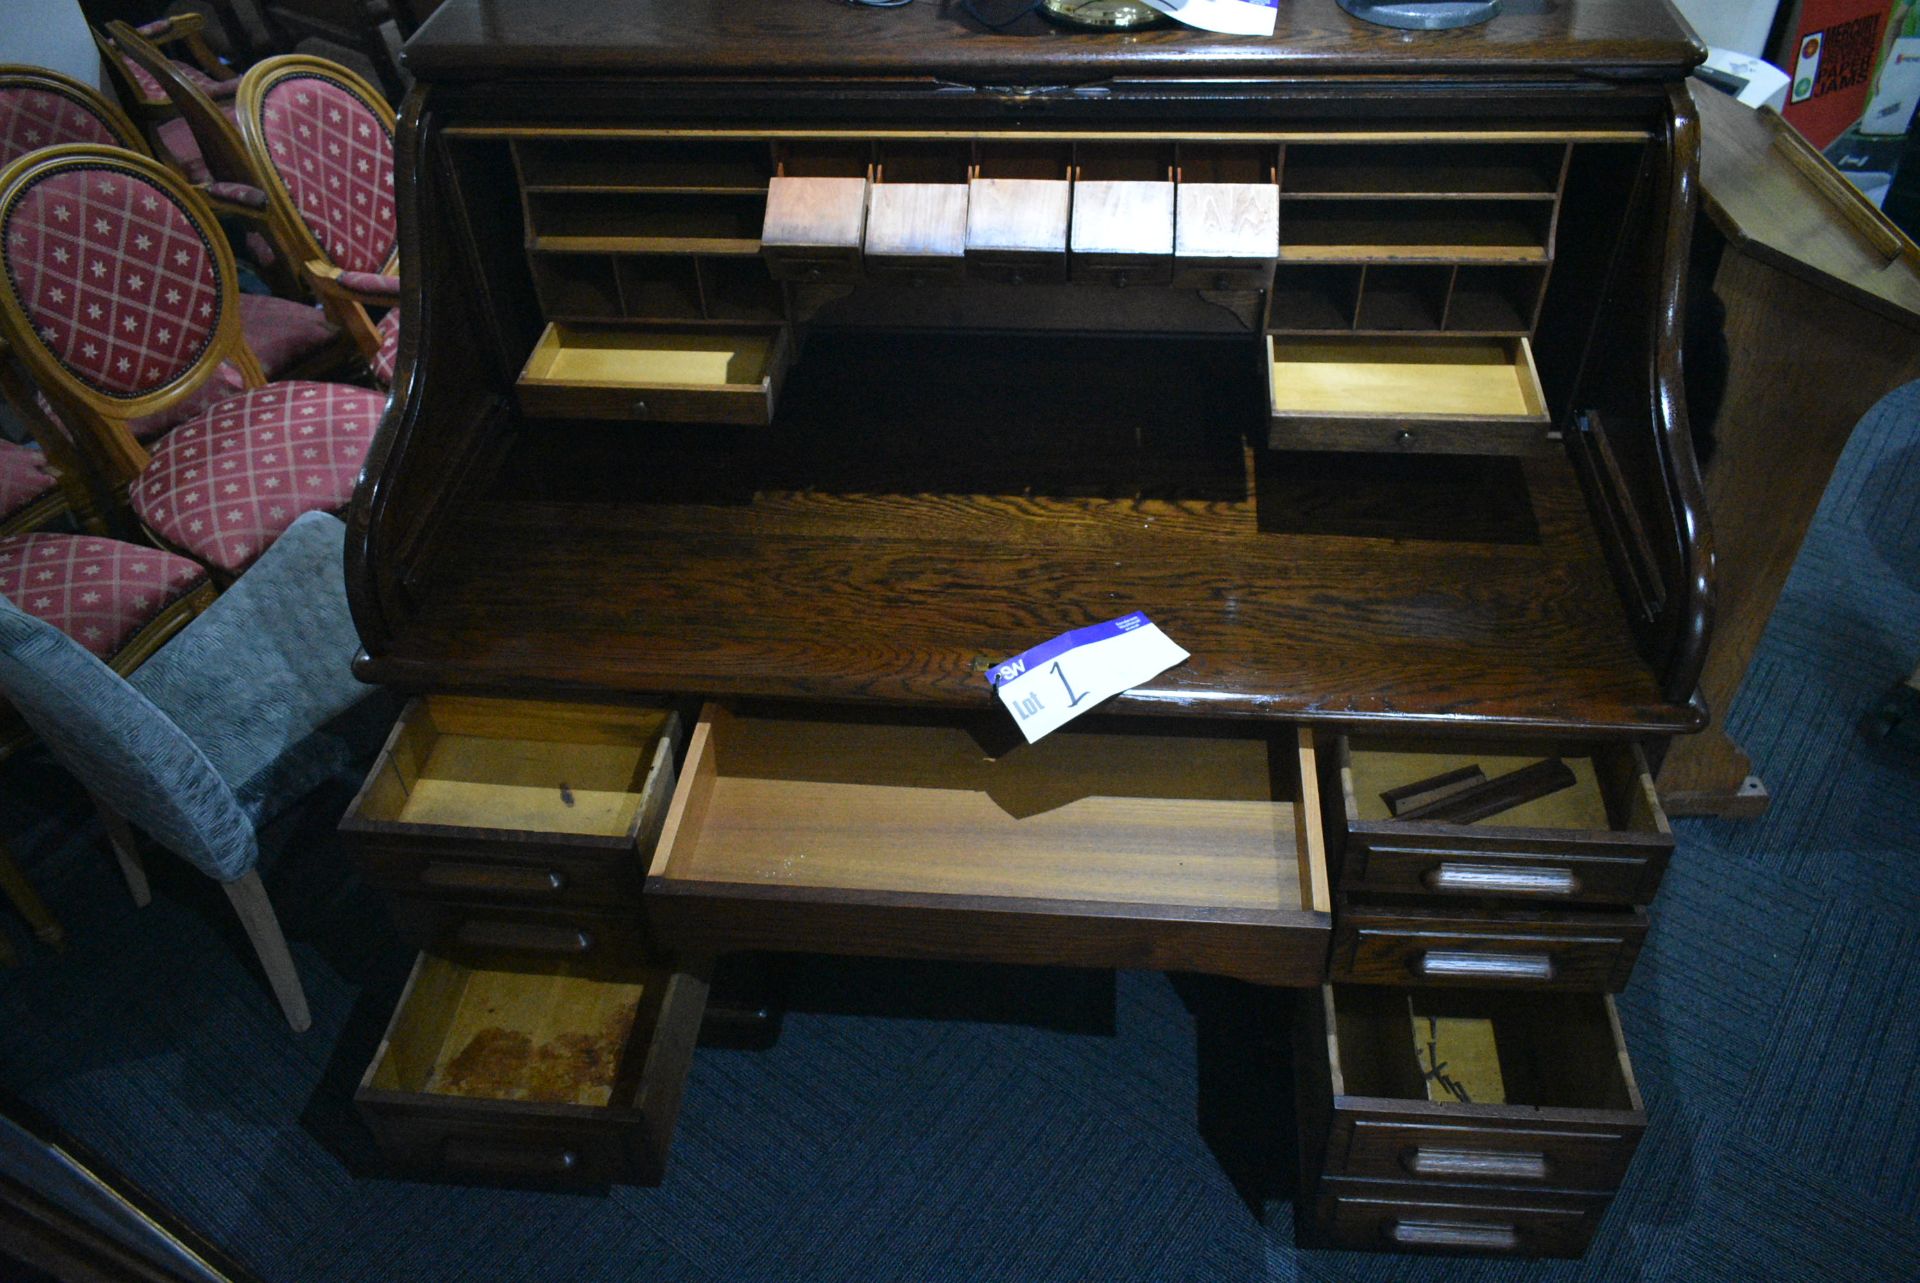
<point x="244" y="711"/>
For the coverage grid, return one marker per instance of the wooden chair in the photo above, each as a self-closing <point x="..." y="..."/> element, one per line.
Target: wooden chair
<point x="120" y="296"/>
<point x="347" y="24"/>
<point x="238" y="714"/>
<point x="41" y="108"/>
<point x="322" y="141"/>
<point x="168" y="137"/>
<point x="231" y="179"/>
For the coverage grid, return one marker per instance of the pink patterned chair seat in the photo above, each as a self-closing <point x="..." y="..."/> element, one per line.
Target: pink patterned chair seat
<point x="100" y="592"/>
<point x="176" y="136"/>
<point x="282" y="334"/>
<point x="23" y="477"/>
<point x="150" y="90"/>
<point x="225" y="485"/>
<point x="389" y="331"/>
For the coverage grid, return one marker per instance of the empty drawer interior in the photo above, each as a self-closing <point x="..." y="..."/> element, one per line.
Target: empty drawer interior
<point x="1554" y="1050"/>
<point x="516" y="765"/>
<point x="924" y="807"/>
<point x="1609" y="789"/>
<point x="1415" y="378"/>
<point x="587" y="355"/>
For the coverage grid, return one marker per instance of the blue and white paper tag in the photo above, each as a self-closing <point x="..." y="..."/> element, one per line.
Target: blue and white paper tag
<point x="1234" y="17"/>
<point x="1050" y="685"/>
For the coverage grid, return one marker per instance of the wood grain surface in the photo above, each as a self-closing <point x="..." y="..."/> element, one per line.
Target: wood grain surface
<point x="908" y="523"/>
<point x="490" y="38"/>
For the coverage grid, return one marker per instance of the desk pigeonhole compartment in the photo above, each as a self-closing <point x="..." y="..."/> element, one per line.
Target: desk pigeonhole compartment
<point x="1192" y="848"/>
<point x="1602" y="839"/>
<point x="1434" y="395"/>
<point x="1496" y="1121"/>
<point x="501" y="1068"/>
<point x="655" y="373"/>
<point x="515" y="803"/>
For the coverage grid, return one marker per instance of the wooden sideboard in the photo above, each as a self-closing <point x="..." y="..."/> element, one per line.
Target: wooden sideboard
<point x="782" y="368"/>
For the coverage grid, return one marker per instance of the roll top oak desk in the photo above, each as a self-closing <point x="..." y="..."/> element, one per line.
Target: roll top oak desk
<point x="771" y="371"/>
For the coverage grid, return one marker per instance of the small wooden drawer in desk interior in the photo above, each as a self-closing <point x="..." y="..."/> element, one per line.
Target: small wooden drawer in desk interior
<point x="1437" y="395"/>
<point x="1601" y="838"/>
<point x="497" y="1069"/>
<point x="515" y="803"/>
<point x="1499" y="1122"/>
<point x="1226" y="227"/>
<point x="1019" y="206"/>
<point x="669" y="375"/>
<point x="817" y="210"/>
<point x="1189" y="848"/>
<point x="917" y="213"/>
<point x="1123" y="214"/>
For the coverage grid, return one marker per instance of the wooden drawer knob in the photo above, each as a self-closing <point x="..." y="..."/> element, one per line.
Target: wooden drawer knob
<point x="1474" y="1164"/>
<point x="1441" y="964"/>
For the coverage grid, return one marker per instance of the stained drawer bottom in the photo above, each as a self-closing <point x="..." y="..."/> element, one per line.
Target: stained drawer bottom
<point x="557" y="1074"/>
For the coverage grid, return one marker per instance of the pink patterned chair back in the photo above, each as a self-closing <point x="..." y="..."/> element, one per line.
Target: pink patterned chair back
<point x="117" y="270"/>
<point x="332" y="149"/>
<point x="45" y="109"/>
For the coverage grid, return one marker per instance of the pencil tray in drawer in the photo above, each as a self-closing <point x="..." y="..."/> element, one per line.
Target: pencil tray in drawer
<point x="1455" y="1088"/>
<point x="1598" y="836"/>
<point x="671" y="375"/>
<point x="543" y="806"/>
<point x="1431" y="395"/>
<point x="1119" y="845"/>
<point x="497" y="1069"/>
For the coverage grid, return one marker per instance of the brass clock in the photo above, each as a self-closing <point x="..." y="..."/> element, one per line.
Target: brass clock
<point x="1102" y="15"/>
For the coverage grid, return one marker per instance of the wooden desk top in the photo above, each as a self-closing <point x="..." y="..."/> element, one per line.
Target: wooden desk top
<point x="925" y="506"/>
<point x="484" y="39"/>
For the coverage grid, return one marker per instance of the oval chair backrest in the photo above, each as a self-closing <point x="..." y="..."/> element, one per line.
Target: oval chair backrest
<point x="118" y="288"/>
<point x="40" y="108"/>
<point x="322" y="138"/>
<point x="122" y="747"/>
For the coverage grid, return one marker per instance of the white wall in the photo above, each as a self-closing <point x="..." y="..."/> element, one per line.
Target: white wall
<point x="1739" y="25"/>
<point x="49" y="33"/>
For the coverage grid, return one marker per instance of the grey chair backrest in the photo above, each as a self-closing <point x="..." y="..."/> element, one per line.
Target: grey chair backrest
<point x="122" y="747"/>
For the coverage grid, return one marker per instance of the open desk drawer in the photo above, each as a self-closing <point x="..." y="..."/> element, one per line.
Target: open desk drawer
<point x="549" y="1073"/>
<point x="544" y="806"/>
<point x="676" y="376"/>
<point x="1135" y="847"/>
<point x="1421" y="395"/>
<point x="1567" y="1116"/>
<point x="1603" y="840"/>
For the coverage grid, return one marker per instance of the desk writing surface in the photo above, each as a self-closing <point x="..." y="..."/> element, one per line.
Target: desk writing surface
<point x="479" y="39"/>
<point x="925" y="505"/>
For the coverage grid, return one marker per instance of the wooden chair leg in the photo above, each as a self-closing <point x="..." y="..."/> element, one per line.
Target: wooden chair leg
<point x="46" y="928"/>
<point x="249" y="897"/>
<point x="126" y="849"/>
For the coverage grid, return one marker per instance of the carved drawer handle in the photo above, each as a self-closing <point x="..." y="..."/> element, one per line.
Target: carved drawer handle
<point x="450" y="876"/>
<point x="509" y="1160"/>
<point x="1457" y="1235"/>
<point x="1475" y="1164"/>
<point x="524" y="937"/>
<point x="1475" y="879"/>
<point x="639" y="409"/>
<point x="1443" y="964"/>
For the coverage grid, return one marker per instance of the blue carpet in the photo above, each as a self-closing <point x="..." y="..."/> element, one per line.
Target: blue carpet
<point x="931" y="1122"/>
